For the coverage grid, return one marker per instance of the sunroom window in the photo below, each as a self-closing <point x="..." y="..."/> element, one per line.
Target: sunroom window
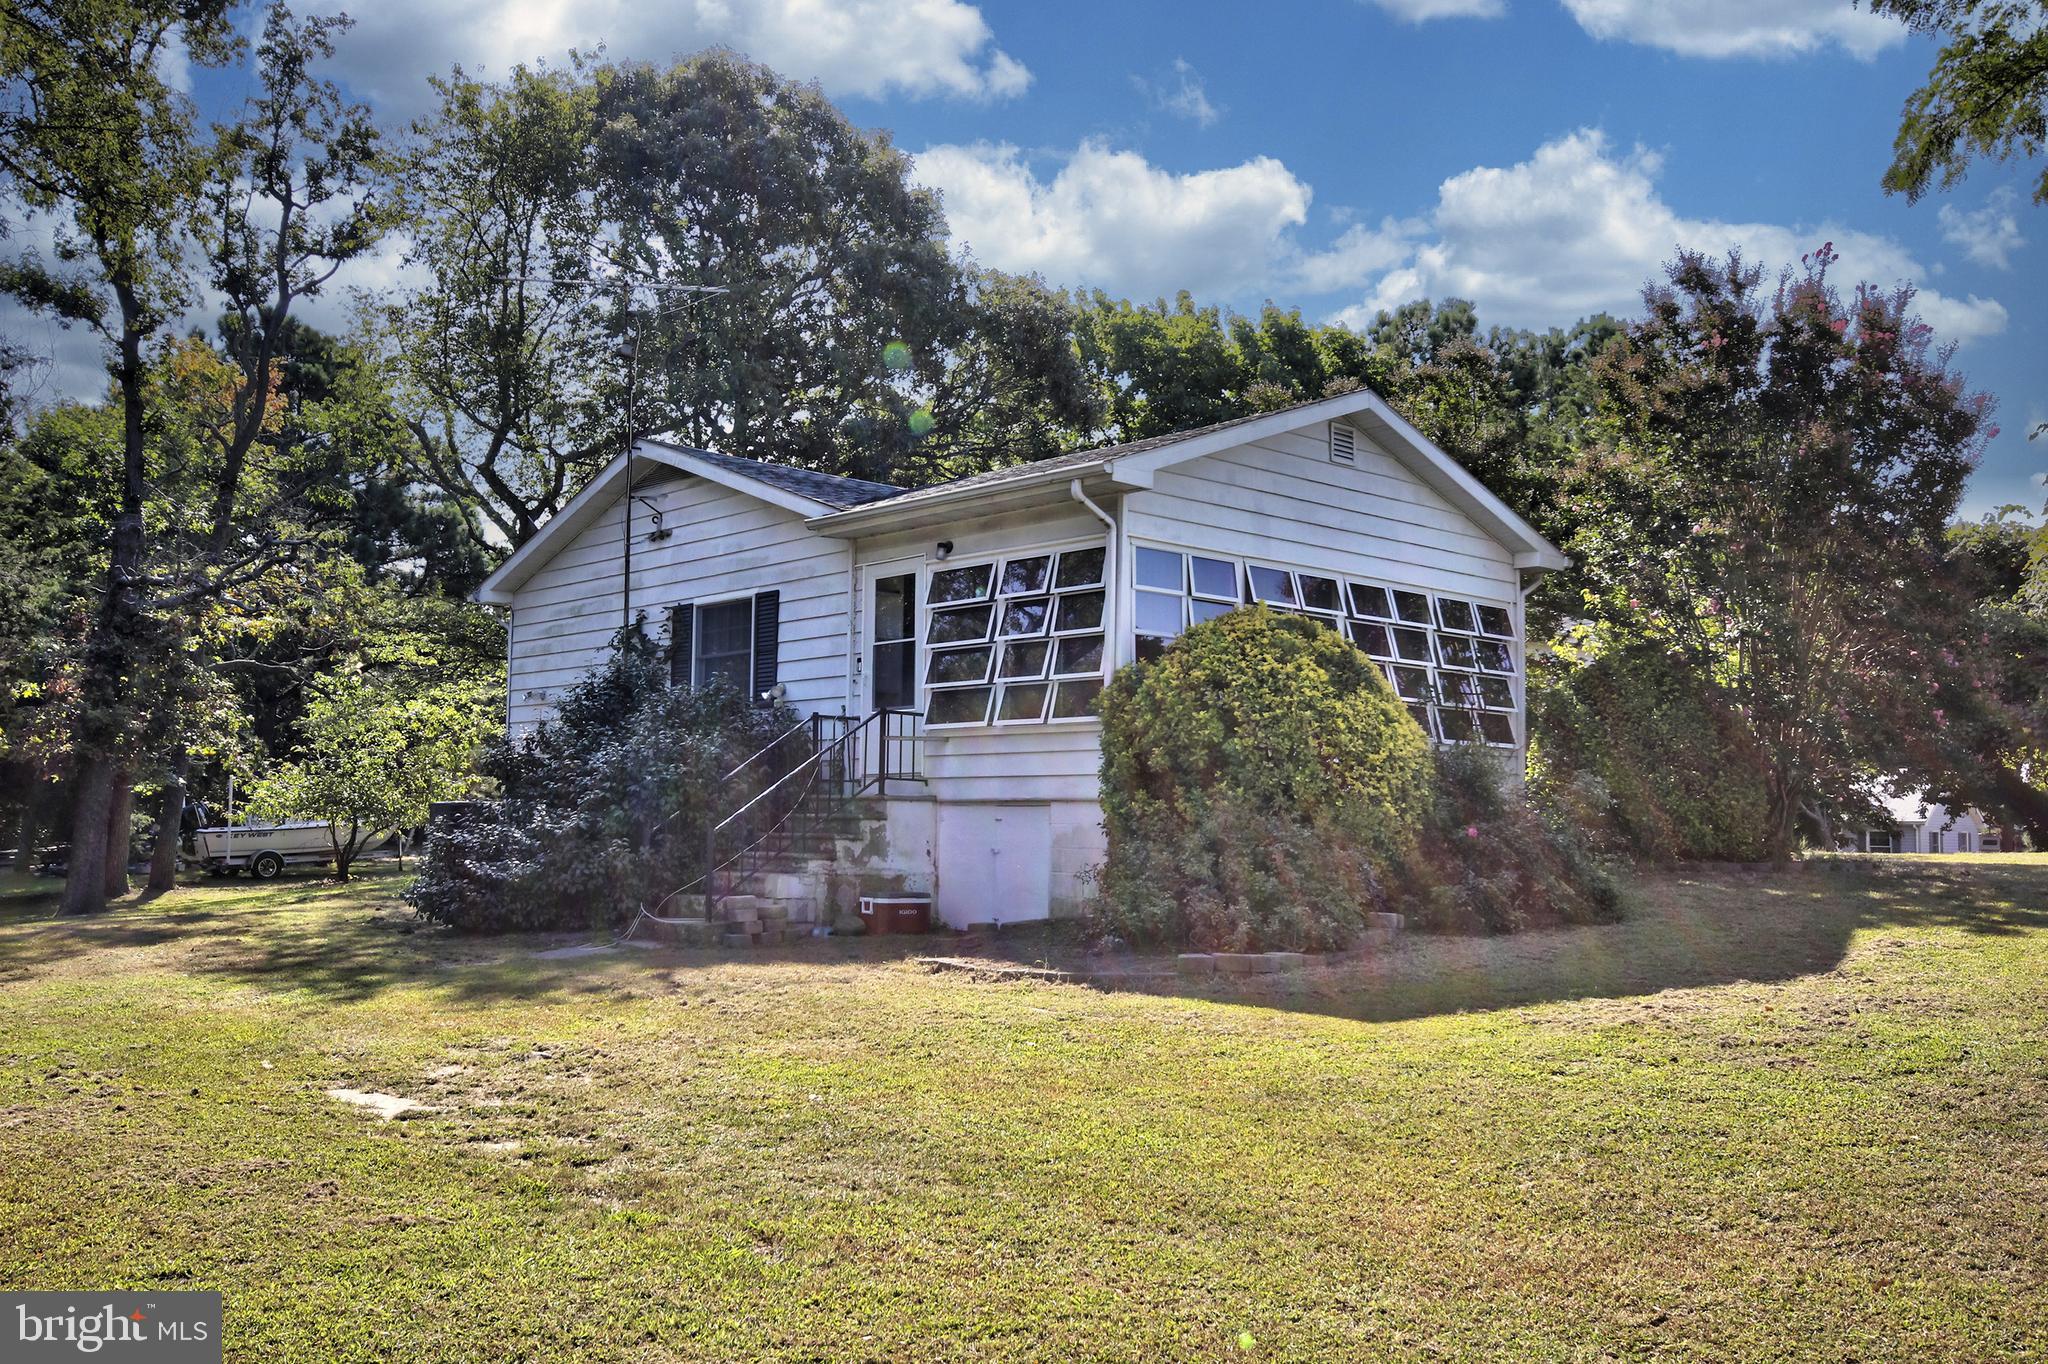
<point x="1450" y="657"/>
<point x="1016" y="641"/>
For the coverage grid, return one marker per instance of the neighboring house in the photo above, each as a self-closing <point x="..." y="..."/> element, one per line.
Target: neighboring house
<point x="984" y="615"/>
<point x="1922" y="827"/>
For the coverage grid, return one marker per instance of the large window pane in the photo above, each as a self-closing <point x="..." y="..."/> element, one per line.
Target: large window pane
<point x="1320" y="594"/>
<point x="960" y="625"/>
<point x="1074" y="700"/>
<point x="1457" y="725"/>
<point x="1080" y="568"/>
<point x="1453" y="614"/>
<point x="1026" y="616"/>
<point x="1495" y="620"/>
<point x="1410" y="684"/>
<point x="725" y="644"/>
<point x="961" y="584"/>
<point x="896" y="607"/>
<point x="1159" y="614"/>
<point x="1496" y="693"/>
<point x="968" y="706"/>
<point x="1162" y="569"/>
<point x="1412" y="607"/>
<point x="1026" y="575"/>
<point x="1496" y="728"/>
<point x="959" y="665"/>
<point x="1214" y="577"/>
<point x="1200" y="610"/>
<point x="1024" y="703"/>
<point x="1274" y="586"/>
<point x="1078" y="654"/>
<point x="1026" y="658"/>
<point x="1079" y="611"/>
<point x="1367" y="600"/>
<point x="1494" y="656"/>
<point x="896" y="674"/>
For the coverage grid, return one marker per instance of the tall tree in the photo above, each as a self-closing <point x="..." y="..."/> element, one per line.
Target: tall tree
<point x="1768" y="498"/>
<point x="92" y="134"/>
<point x="719" y="172"/>
<point x="499" y="359"/>
<point x="1986" y="95"/>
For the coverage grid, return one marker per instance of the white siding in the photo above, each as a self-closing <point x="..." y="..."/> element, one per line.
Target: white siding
<point x="721" y="544"/>
<point x="1028" y="763"/>
<point x="1284" y="502"/>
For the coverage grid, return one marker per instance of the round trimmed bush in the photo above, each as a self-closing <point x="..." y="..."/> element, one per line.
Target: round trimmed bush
<point x="1256" y="778"/>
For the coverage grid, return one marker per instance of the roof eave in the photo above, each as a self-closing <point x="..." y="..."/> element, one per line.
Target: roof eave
<point x="1034" y="490"/>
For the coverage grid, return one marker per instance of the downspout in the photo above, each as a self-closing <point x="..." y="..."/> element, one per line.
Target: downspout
<point x="1112" y="615"/>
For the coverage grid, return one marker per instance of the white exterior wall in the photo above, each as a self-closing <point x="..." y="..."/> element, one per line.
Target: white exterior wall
<point x="1285" y="502"/>
<point x="722" y="544"/>
<point x="1054" y="766"/>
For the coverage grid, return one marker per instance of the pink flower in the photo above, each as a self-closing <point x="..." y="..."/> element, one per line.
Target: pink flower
<point x="1472" y="830"/>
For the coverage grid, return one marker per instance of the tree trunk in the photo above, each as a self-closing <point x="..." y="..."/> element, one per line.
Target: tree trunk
<point x="344" y="851"/>
<point x="26" y="834"/>
<point x="120" y="821"/>
<point x="170" y="826"/>
<point x="85" y="861"/>
<point x="103" y="682"/>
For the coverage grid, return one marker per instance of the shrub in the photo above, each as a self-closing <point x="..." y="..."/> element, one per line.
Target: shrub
<point x="601" y="808"/>
<point x="1255" y="779"/>
<point x="1649" y="754"/>
<point x="1489" y="861"/>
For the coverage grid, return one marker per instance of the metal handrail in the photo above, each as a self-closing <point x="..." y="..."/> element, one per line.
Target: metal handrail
<point x="844" y="750"/>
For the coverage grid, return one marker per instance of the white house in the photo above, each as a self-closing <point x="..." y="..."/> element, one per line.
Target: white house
<point x="1924" y="827"/>
<point x="984" y="615"/>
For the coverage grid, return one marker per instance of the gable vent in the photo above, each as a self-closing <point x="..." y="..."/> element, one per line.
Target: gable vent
<point x="1343" y="443"/>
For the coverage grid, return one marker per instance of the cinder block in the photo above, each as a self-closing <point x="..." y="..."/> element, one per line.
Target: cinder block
<point x="1196" y="963"/>
<point x="1286" y="961"/>
<point x="1243" y="964"/>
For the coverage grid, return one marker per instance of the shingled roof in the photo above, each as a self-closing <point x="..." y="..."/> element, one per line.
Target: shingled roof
<point x="829" y="489"/>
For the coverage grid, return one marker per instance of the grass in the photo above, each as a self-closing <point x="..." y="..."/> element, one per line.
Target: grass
<point x="1767" y="1118"/>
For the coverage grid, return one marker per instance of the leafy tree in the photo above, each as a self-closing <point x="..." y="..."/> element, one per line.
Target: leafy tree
<point x="1768" y="499"/>
<point x="498" y="363"/>
<point x="93" y="135"/>
<point x="1986" y="95"/>
<point x="373" y="759"/>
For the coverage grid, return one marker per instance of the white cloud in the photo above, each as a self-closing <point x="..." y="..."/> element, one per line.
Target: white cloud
<point x="1112" y="219"/>
<point x="1182" y="94"/>
<point x="851" y="47"/>
<point x="1987" y="235"/>
<point x="1739" y="28"/>
<point x="1421" y="11"/>
<point x="1579" y="228"/>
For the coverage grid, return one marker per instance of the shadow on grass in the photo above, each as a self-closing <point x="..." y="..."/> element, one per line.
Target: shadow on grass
<point x="353" y="943"/>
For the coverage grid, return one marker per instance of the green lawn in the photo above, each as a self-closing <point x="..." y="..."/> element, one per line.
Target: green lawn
<point x="1793" y="1118"/>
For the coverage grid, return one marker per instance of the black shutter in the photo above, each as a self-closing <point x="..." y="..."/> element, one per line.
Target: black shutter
<point x="767" y="641"/>
<point x="682" y="623"/>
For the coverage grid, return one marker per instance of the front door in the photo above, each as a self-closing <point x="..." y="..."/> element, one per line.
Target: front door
<point x="889" y="597"/>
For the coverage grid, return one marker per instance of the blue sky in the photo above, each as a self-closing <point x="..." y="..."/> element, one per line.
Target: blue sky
<point x="1540" y="157"/>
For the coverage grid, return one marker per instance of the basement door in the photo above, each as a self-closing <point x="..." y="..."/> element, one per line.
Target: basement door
<point x="995" y="863"/>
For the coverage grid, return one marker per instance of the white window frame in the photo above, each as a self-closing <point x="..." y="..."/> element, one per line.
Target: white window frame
<point x="697" y="639"/>
<point x="1344" y="618"/>
<point x="1051" y="635"/>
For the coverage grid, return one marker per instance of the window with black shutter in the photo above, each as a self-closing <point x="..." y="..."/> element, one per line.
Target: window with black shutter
<point x="767" y="642"/>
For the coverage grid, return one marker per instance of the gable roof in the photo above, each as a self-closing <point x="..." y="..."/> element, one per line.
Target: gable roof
<point x="827" y="489"/>
<point x="802" y="491"/>
<point x="1133" y="464"/>
<point x="852" y="506"/>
